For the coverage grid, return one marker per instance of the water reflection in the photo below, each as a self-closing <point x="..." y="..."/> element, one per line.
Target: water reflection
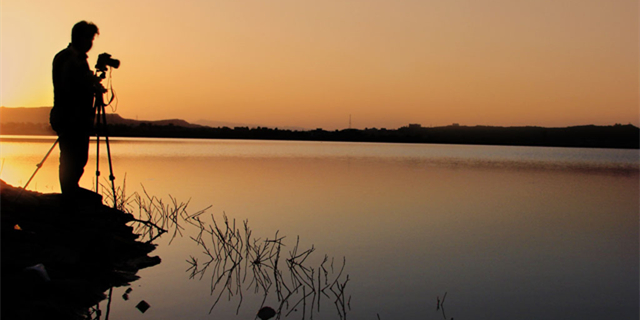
<point x="501" y="229"/>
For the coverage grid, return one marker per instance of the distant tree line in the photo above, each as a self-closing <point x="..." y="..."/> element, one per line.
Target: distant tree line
<point x="590" y="136"/>
<point x="618" y="136"/>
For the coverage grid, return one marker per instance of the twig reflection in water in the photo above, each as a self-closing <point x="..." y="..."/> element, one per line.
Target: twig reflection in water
<point x="440" y="306"/>
<point x="234" y="258"/>
<point x="154" y="216"/>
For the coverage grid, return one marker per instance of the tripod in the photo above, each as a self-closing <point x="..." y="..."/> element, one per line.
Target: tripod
<point x="101" y="127"/>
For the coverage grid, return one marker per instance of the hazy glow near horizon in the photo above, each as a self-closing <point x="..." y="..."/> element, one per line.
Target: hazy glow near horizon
<point x="313" y="63"/>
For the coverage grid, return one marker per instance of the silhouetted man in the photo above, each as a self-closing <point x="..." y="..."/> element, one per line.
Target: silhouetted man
<point x="72" y="114"/>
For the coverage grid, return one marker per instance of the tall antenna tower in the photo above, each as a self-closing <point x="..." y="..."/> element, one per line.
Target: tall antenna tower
<point x="349" y="121"/>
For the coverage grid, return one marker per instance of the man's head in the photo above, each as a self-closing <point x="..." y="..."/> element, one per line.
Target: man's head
<point x="82" y="35"/>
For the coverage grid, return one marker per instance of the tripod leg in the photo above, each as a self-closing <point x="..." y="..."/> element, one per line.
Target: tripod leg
<point x="111" y="176"/>
<point x="39" y="165"/>
<point x="97" y="147"/>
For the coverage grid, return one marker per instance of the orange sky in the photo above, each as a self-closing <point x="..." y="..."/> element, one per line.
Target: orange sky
<point x="313" y="63"/>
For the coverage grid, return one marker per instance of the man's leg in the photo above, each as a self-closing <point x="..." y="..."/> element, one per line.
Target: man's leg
<point x="74" y="153"/>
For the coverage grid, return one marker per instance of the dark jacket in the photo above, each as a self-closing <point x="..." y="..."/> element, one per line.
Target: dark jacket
<point x="73" y="89"/>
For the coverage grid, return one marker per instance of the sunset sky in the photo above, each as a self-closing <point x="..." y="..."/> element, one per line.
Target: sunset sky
<point x="312" y="63"/>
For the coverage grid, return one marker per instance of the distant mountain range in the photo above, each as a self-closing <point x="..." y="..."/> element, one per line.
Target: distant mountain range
<point x="40" y="115"/>
<point x="25" y="115"/>
<point x="35" y="121"/>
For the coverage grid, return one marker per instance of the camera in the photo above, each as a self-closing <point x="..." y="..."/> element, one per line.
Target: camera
<point x="105" y="60"/>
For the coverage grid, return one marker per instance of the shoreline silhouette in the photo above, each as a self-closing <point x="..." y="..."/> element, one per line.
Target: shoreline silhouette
<point x="26" y="121"/>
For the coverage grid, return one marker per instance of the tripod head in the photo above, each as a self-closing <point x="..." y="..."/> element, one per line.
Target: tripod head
<point x="99" y="88"/>
<point x="102" y="65"/>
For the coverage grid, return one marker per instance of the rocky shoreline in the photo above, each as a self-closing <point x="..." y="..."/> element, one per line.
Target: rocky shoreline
<point x="60" y="258"/>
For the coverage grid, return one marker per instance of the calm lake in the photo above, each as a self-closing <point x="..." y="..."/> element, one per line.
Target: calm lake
<point x="505" y="232"/>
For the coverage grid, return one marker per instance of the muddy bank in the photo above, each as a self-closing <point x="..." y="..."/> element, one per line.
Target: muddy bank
<point x="60" y="258"/>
